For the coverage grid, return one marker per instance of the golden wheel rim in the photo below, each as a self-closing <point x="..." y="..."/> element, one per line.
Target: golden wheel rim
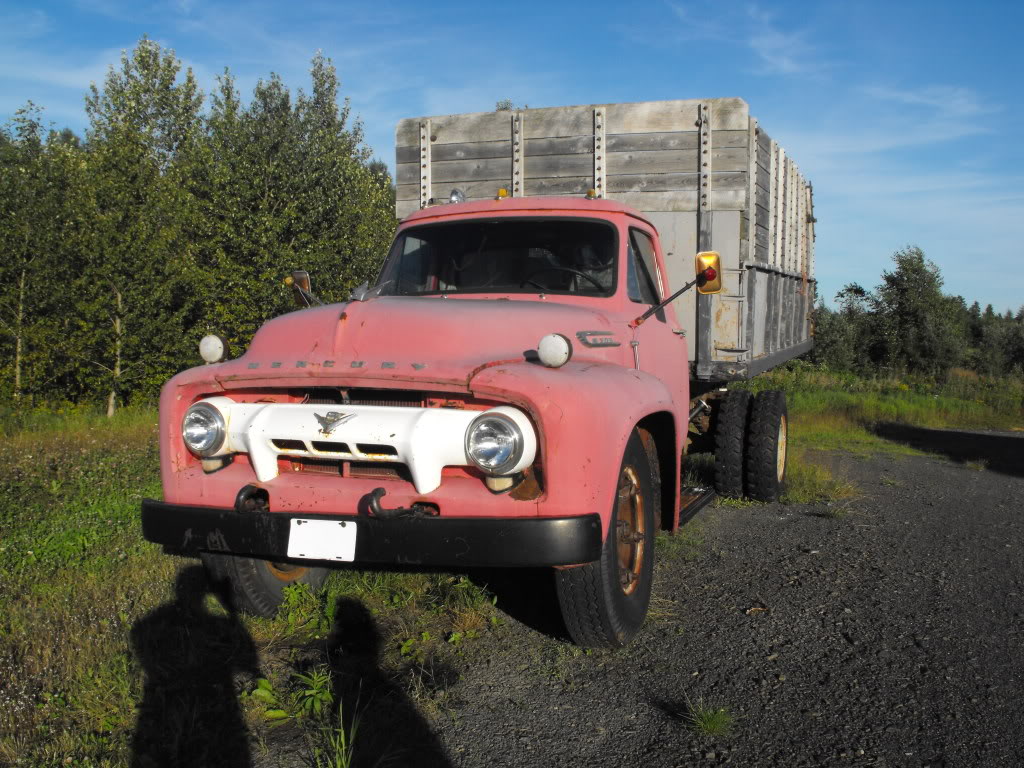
<point x="286" y="571"/>
<point x="780" y="450"/>
<point x="630" y="530"/>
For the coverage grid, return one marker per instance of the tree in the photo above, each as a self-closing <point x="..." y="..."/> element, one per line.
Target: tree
<point x="141" y="124"/>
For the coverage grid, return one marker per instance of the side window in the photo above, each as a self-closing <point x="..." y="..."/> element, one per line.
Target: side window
<point x="641" y="269"/>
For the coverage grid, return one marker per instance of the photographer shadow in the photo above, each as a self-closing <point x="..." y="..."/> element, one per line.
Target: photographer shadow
<point x="381" y="722"/>
<point x="189" y="713"/>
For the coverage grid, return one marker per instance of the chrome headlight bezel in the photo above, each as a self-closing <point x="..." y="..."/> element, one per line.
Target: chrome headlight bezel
<point x="508" y="466"/>
<point x="219" y="430"/>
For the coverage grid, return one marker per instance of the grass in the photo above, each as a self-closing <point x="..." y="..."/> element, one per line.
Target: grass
<point x="836" y="411"/>
<point x="712" y="722"/>
<point x="78" y="585"/>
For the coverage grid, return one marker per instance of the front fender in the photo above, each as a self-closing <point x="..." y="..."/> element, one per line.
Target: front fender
<point x="585" y="413"/>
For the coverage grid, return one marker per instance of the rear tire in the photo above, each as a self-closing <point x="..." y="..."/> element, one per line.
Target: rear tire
<point x="257" y="586"/>
<point x="604" y="603"/>
<point x="767" y="445"/>
<point x="730" y="443"/>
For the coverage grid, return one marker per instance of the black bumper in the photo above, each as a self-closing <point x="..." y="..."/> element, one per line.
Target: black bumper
<point x="497" y="542"/>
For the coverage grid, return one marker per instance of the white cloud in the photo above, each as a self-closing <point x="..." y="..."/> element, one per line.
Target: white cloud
<point x="779" y="51"/>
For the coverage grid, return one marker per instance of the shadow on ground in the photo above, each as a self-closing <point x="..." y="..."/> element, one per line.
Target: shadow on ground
<point x="189" y="713"/>
<point x="999" y="452"/>
<point x="388" y="728"/>
<point x="527" y="595"/>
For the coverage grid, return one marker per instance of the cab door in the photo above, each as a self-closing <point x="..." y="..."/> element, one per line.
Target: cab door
<point x="659" y="344"/>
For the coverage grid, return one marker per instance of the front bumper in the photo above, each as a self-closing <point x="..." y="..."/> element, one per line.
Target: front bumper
<point x="434" y="541"/>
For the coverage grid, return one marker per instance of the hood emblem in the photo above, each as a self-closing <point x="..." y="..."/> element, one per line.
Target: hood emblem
<point x="331" y="421"/>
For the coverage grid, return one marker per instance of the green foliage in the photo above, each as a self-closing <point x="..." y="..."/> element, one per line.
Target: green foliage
<point x="169" y="222"/>
<point x="907" y="325"/>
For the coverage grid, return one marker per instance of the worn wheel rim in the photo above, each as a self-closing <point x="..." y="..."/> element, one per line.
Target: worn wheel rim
<point x="630" y="530"/>
<point x="286" y="571"/>
<point x="780" y="449"/>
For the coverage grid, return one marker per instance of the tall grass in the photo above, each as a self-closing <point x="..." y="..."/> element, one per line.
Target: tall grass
<point x="831" y="410"/>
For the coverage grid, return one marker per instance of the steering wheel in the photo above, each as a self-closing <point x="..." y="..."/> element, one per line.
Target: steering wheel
<point x="530" y="281"/>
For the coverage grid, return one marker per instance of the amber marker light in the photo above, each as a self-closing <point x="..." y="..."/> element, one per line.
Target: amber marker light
<point x="502" y="194"/>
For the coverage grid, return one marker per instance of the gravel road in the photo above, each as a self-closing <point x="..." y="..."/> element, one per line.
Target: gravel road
<point x="887" y="632"/>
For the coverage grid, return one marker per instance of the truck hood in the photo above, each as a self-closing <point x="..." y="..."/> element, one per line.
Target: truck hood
<point x="419" y="339"/>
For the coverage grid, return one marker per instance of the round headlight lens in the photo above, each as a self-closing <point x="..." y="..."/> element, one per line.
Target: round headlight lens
<point x="202" y="429"/>
<point x="494" y="443"/>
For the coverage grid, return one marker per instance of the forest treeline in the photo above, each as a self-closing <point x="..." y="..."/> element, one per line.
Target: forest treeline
<point x="907" y="324"/>
<point x="177" y="214"/>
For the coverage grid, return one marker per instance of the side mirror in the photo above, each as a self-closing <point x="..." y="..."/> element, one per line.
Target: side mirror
<point x="361" y="292"/>
<point x="709" y="272"/>
<point x="300" y="285"/>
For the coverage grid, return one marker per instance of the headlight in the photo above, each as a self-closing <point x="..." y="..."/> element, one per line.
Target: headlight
<point x="494" y="442"/>
<point x="202" y="429"/>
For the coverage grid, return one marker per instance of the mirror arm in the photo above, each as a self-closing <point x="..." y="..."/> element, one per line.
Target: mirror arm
<point x="699" y="280"/>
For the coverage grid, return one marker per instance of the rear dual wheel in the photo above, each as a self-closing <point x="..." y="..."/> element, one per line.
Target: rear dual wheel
<point x="751" y="441"/>
<point x="604" y="603"/>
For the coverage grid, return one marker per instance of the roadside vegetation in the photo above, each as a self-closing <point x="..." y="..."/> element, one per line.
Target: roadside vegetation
<point x="84" y="601"/>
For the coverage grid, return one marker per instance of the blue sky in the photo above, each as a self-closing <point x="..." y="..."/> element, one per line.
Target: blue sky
<point x="905" y="115"/>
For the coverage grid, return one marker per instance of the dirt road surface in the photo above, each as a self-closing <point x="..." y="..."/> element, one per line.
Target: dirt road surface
<point x="887" y="631"/>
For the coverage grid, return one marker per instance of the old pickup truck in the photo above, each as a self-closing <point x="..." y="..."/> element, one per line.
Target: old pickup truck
<point x="569" y="294"/>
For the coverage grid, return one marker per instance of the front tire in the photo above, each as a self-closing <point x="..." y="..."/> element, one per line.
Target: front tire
<point x="257" y="586"/>
<point x="604" y="603"/>
<point x="767" y="445"/>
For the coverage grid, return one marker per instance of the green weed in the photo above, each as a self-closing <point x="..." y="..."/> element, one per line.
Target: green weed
<point x="713" y="722"/>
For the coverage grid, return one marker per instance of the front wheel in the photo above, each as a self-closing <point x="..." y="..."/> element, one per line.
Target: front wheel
<point x="257" y="586"/>
<point x="604" y="603"/>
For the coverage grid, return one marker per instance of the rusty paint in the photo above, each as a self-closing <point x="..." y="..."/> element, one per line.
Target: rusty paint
<point x="530" y="488"/>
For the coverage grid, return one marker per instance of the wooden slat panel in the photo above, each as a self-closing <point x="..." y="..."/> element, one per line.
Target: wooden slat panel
<point x="761" y="237"/>
<point x="560" y="121"/>
<point x="675" y="161"/>
<point x="763" y="178"/>
<point x="573" y="145"/>
<point x="457" y="129"/>
<point x="640" y="183"/>
<point x="748" y="215"/>
<point x="639" y="142"/>
<point x="565" y="185"/>
<point x="763" y="200"/>
<point x="762" y="217"/>
<point x="724" y="200"/>
<point x="459" y="170"/>
<point x="473" y="190"/>
<point x="466" y="151"/>
<point x="667" y="182"/>
<point x="652" y="116"/>
<point x="773" y="228"/>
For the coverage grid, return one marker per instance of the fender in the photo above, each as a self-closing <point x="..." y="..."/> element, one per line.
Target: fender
<point x="584" y="413"/>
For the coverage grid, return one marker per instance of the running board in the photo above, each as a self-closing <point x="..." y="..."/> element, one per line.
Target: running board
<point x="692" y="500"/>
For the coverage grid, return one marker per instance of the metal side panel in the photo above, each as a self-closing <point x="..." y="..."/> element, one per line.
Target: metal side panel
<point x="728" y="342"/>
<point x="679" y="241"/>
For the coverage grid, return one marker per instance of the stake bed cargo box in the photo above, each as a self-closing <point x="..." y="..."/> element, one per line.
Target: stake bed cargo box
<point x="702" y="171"/>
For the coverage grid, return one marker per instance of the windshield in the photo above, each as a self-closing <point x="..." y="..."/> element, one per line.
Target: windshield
<point x="519" y="255"/>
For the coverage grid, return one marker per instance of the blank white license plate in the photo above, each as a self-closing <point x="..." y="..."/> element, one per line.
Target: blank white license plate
<point x="322" y="540"/>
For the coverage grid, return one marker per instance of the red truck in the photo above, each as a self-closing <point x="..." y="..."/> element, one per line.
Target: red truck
<point x="523" y="382"/>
